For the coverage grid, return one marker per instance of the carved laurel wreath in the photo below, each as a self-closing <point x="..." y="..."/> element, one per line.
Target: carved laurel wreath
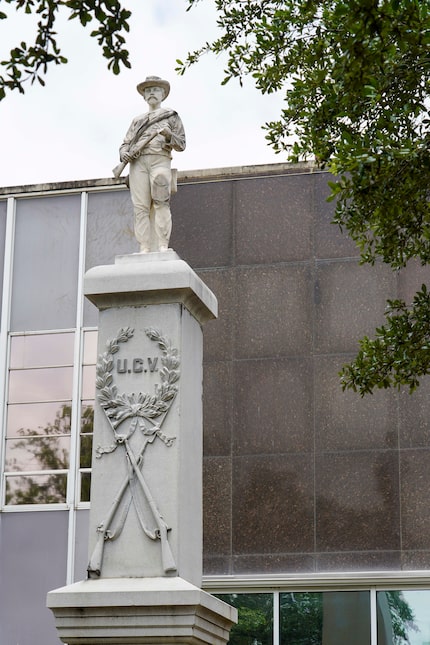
<point x="117" y="406"/>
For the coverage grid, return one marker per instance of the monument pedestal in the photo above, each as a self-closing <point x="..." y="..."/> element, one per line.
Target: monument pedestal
<point x="138" y="612"/>
<point x="145" y="545"/>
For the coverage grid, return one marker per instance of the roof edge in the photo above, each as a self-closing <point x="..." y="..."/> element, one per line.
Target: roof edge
<point x="184" y="176"/>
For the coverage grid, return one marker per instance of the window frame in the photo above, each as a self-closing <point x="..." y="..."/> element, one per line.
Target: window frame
<point x="320" y="582"/>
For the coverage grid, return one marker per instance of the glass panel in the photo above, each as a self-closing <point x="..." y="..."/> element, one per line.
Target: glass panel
<point x="109" y="233"/>
<point x="90" y="347"/>
<point x="109" y="228"/>
<point x="37" y="453"/>
<point x="38" y="418"/>
<point x="3" y="209"/>
<point x="403" y="617"/>
<point x="36" y="489"/>
<point x="40" y="385"/>
<point x="40" y="350"/>
<point x="255" y="625"/>
<point x="89" y="382"/>
<point x="87" y="416"/>
<point x="45" y="272"/>
<point x="330" y="618"/>
<point x="86" y="450"/>
<point x="85" y="487"/>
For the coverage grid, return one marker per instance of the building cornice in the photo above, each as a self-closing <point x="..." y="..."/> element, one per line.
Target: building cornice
<point x="318" y="581"/>
<point x="184" y="177"/>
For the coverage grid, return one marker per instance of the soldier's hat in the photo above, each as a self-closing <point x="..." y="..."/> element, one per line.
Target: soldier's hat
<point x="154" y="81"/>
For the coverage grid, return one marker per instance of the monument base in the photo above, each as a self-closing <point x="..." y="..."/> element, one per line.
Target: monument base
<point x="139" y="611"/>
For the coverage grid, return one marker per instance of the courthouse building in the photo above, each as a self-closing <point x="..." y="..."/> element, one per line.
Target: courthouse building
<point x="316" y="502"/>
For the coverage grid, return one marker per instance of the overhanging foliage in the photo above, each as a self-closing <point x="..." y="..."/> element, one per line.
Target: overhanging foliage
<point x="355" y="75"/>
<point x="30" y="62"/>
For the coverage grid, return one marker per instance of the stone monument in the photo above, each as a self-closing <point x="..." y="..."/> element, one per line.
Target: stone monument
<point x="145" y="543"/>
<point x="147" y="147"/>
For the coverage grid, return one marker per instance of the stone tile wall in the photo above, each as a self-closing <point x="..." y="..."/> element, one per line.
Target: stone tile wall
<point x="299" y="476"/>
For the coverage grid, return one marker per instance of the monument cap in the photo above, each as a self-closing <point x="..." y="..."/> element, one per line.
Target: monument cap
<point x="154" y="81"/>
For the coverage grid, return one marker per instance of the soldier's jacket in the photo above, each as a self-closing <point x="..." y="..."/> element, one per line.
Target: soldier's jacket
<point x="158" y="145"/>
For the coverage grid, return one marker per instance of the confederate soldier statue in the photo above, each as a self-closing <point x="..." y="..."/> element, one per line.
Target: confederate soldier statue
<point x="147" y="147"/>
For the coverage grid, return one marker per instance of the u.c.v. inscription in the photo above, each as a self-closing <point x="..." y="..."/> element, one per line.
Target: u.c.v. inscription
<point x="136" y="365"/>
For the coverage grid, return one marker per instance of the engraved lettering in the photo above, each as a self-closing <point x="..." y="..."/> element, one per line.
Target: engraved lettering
<point x="152" y="362"/>
<point x="121" y="365"/>
<point x="137" y="365"/>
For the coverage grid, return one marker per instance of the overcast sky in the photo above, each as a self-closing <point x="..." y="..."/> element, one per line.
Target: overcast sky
<point x="72" y="127"/>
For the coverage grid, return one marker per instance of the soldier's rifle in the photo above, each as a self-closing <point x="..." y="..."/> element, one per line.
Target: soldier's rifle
<point x="103" y="529"/>
<point x="134" y="152"/>
<point x="137" y="144"/>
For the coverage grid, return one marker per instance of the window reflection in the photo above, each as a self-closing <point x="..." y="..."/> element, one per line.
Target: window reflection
<point x="85" y="486"/>
<point x="40" y="384"/>
<point x="255" y="624"/>
<point x="86" y="450"/>
<point x="329" y="618"/>
<point x="37" y="453"/>
<point x="90" y="347"/>
<point x="38" y="438"/>
<point x="38" y="418"/>
<point x="89" y="382"/>
<point x="36" y="489"/>
<point x="87" y="416"/>
<point x="403" y="617"/>
<point x="39" y="350"/>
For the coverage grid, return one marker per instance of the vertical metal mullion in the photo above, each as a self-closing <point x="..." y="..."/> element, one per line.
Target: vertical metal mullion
<point x="4" y="331"/>
<point x="373" y="618"/>
<point x="276" y="624"/>
<point x="72" y="487"/>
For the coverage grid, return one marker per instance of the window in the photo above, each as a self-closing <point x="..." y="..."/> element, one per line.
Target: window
<point x="87" y="414"/>
<point x="39" y="417"/>
<point x="45" y="267"/>
<point x="400" y="617"/>
<point x="403" y="617"/>
<point x="38" y="425"/>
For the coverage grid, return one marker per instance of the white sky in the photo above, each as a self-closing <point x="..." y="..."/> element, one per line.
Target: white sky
<point x="72" y="127"/>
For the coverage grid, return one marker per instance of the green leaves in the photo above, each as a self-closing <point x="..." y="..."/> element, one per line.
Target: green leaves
<point x="29" y="63"/>
<point x="400" y="353"/>
<point x="355" y="75"/>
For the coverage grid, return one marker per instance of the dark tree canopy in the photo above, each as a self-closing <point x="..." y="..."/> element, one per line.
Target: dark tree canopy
<point x="355" y="75"/>
<point x="30" y="62"/>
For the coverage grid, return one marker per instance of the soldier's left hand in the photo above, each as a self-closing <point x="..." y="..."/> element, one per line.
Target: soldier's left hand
<point x="166" y="132"/>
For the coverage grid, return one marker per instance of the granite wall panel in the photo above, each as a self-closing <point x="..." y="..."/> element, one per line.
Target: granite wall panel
<point x="272" y="406"/>
<point x="273" y="219"/>
<point x="218" y="337"/>
<point x="346" y="421"/>
<point x="218" y="387"/>
<point x="273" y="504"/>
<point x="269" y="563"/>
<point x="330" y="241"/>
<point x="273" y="311"/>
<point x="357" y="501"/>
<point x="414" y="416"/>
<point x="350" y="302"/>
<point x="411" y="278"/>
<point x="217" y="496"/>
<point x="203" y="224"/>
<point x="358" y="561"/>
<point x="415" y="499"/>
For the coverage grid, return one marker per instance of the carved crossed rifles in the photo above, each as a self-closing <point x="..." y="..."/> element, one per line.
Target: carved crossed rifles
<point x="141" y="409"/>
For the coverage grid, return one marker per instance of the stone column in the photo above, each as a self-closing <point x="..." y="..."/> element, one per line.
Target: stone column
<point x="145" y="542"/>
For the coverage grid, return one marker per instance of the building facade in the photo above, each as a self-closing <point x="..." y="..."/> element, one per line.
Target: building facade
<point x="316" y="502"/>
